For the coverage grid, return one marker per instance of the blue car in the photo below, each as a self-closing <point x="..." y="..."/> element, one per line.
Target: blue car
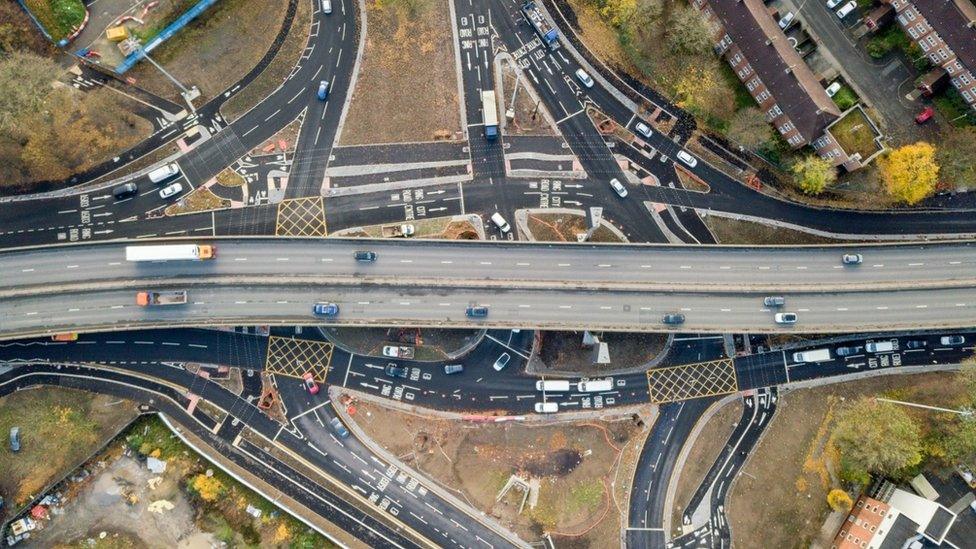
<point x="325" y="309"/>
<point x="323" y="90"/>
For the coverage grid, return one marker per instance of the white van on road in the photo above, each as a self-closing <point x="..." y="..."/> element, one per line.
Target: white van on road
<point x="552" y="385"/>
<point x="163" y="173"/>
<point x="596" y="385"/>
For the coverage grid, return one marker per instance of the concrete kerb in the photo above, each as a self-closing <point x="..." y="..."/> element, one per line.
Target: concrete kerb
<point x="465" y="349"/>
<point x="355" y="69"/>
<point x="278" y="500"/>
<point x="533" y="367"/>
<point x="839" y="236"/>
<point x="457" y="69"/>
<point x="522" y="220"/>
<point x="683" y="455"/>
<point x="377" y="449"/>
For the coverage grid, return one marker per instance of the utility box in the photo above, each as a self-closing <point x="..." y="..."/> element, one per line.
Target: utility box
<point x="117" y="34"/>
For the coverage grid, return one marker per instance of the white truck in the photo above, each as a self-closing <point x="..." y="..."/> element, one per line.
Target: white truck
<point x="552" y="385"/>
<point x="170" y="252"/>
<point x="881" y="346"/>
<point x="816" y="355"/>
<point x="596" y="385"/>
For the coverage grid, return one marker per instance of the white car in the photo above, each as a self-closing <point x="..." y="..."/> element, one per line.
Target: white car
<point x="643" y="129"/>
<point x="846" y="9"/>
<point x="786" y="20"/>
<point x="618" y="187"/>
<point x="326" y="6"/>
<point x="584" y="78"/>
<point x="833" y="89"/>
<point x="785" y="318"/>
<point x="691" y="161"/>
<point x="171" y="190"/>
<point x="831" y="4"/>
<point x="546" y="407"/>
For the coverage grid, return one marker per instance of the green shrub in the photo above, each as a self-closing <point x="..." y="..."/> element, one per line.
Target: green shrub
<point x="845" y="98"/>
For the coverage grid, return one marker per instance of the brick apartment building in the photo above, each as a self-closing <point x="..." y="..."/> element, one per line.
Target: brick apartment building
<point x="946" y="32"/>
<point x="784" y="87"/>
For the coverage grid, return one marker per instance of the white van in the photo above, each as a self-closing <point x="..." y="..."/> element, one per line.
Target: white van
<point x="880" y="346"/>
<point x="552" y="385"/>
<point x="546" y="407"/>
<point x="500" y="222"/>
<point x="846" y="9"/>
<point x="326" y="6"/>
<point x="163" y="173"/>
<point x="596" y="385"/>
<point x="816" y="355"/>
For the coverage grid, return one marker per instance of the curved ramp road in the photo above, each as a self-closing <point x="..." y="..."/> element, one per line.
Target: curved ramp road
<point x="429" y="283"/>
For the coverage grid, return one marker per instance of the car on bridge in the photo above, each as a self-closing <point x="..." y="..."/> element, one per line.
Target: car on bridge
<point x="309" y="380"/>
<point x="774" y="301"/>
<point x="476" y="311"/>
<point x="365" y="256"/>
<point x="673" y="318"/>
<point x="325" y="309"/>
<point x="852" y="259"/>
<point x="785" y="318"/>
<point x="393" y="370"/>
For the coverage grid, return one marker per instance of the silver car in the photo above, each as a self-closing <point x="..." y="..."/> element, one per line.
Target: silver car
<point x="618" y="188"/>
<point x="171" y="190"/>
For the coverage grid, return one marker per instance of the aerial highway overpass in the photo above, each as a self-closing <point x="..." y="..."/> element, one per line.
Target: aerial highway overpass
<point x="92" y="287"/>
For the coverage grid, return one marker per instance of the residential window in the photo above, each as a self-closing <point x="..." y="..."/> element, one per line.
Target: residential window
<point x="930" y="39"/>
<point x="736" y="58"/>
<point x="786" y="128"/>
<point x="744" y="72"/>
<point x="943" y="54"/>
<point x="934" y="57"/>
<point x="774" y="112"/>
<point x="965" y="78"/>
<point x="762" y="96"/>
<point x="924" y="45"/>
<point x="753" y="84"/>
<point x="910" y="14"/>
<point x="726" y="41"/>
<point x="967" y="96"/>
<point x="795" y="140"/>
<point x="913" y="33"/>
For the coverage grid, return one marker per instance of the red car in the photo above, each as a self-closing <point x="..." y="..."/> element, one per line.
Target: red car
<point x="310" y="385"/>
<point x="924" y="116"/>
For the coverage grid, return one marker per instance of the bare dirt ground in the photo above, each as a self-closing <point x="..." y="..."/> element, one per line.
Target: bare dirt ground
<point x="783" y="488"/>
<point x="736" y="231"/>
<point x="435" y="344"/>
<point x="702" y="455"/>
<point x="407" y="86"/>
<point x="562" y="227"/>
<point x="58" y="428"/>
<point x="575" y="462"/>
<point x="447" y="228"/>
<point x="216" y="49"/>
<point x="562" y="351"/>
<point x="276" y="71"/>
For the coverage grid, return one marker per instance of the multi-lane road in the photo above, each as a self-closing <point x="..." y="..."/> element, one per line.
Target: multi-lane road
<point x="430" y="283"/>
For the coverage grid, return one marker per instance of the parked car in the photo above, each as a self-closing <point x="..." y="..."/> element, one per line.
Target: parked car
<point x="453" y="368"/>
<point x="500" y="222"/>
<point x="584" y="78"/>
<point x="618" y="188"/>
<point x="673" y="318"/>
<point x="340" y="429"/>
<point x="831" y="4"/>
<point x="323" y="92"/>
<point x="785" y="318"/>
<point x="310" y="385"/>
<point x="501" y="362"/>
<point x="786" y="20"/>
<point x="546" y="407"/>
<point x="643" y="129"/>
<point x="916" y="344"/>
<point x="852" y="259"/>
<point x="327" y="6"/>
<point x="846" y="9"/>
<point x="171" y="190"/>
<point x="924" y="116"/>
<point x="476" y="311"/>
<point x="691" y="161"/>
<point x="364" y="255"/>
<point x="833" y="89"/>
<point x="952" y="341"/>
<point x="848" y="351"/>
<point x="15" y="439"/>
<point x="325" y="309"/>
<point x="393" y="370"/>
<point x="774" y="301"/>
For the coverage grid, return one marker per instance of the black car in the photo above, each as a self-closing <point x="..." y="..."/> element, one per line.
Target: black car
<point x="125" y="191"/>
<point x="393" y="370"/>
<point x="916" y="344"/>
<point x="848" y="351"/>
<point x="476" y="311"/>
<point x="365" y="255"/>
<point x="673" y="318"/>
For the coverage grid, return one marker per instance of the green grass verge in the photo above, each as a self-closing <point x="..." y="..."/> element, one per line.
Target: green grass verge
<point x="58" y="17"/>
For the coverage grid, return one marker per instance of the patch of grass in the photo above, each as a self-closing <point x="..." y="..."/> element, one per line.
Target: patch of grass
<point x="200" y="199"/>
<point x="743" y="98"/>
<point x="229" y="178"/>
<point x="587" y="494"/>
<point x="855" y="134"/>
<point x="736" y="231"/>
<point x="58" y="17"/>
<point x="888" y="40"/>
<point x="58" y="428"/>
<point x="952" y="106"/>
<point x="845" y="98"/>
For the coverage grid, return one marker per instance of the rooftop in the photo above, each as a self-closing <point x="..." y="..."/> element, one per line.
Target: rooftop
<point x="950" y="18"/>
<point x="797" y="91"/>
<point x="856" y="134"/>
